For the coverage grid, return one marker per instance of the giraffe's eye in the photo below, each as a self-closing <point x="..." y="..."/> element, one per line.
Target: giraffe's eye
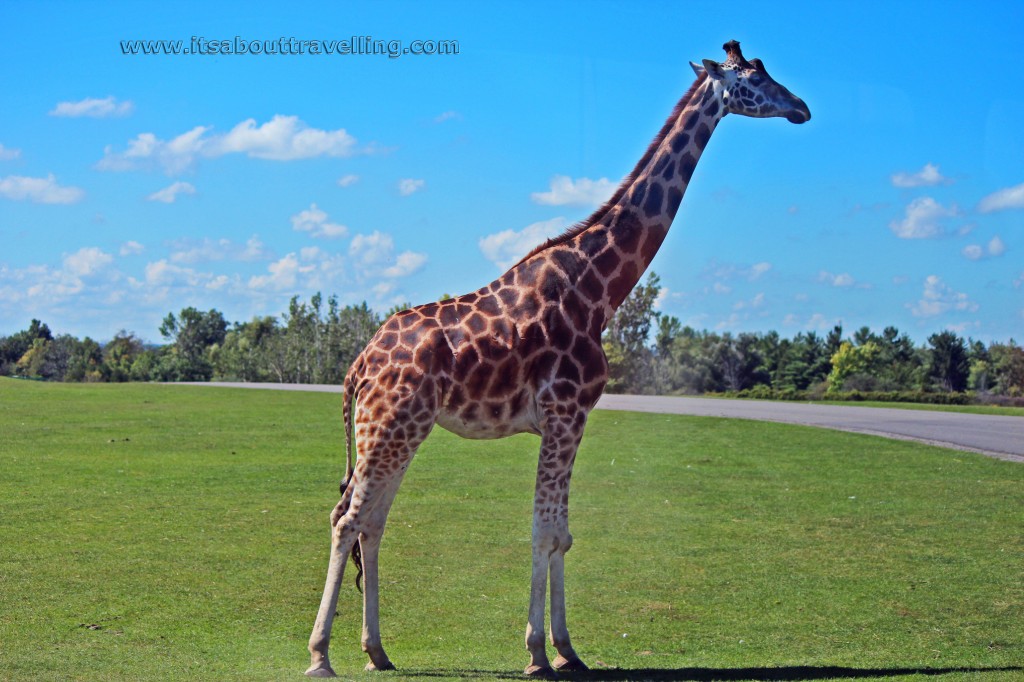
<point x="756" y="79"/>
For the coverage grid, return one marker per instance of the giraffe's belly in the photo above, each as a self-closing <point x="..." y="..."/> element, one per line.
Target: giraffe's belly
<point x="488" y="420"/>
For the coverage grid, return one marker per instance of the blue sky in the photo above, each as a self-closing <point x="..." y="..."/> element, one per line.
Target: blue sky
<point x="132" y="186"/>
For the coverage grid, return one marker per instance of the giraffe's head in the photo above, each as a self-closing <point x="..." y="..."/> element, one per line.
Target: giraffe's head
<point x="747" y="88"/>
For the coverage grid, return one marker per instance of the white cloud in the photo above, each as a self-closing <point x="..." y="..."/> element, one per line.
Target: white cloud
<point x="374" y="256"/>
<point x="93" y="107"/>
<point x="406" y="263"/>
<point x="819" y="321"/>
<point x="926" y="177"/>
<point x="310" y="269"/>
<point x="973" y="252"/>
<point x="282" y="138"/>
<point x="383" y="289"/>
<point x="8" y="154"/>
<point x="191" y="251"/>
<point x="663" y="295"/>
<point x="758" y="269"/>
<point x="995" y="248"/>
<point x="448" y="116"/>
<point x="371" y="249"/>
<point x="720" y="288"/>
<point x="131" y="248"/>
<point x="146" y="151"/>
<point x="938" y="298"/>
<point x="314" y="221"/>
<point x="732" y="271"/>
<point x="844" y="279"/>
<point x="963" y="328"/>
<point x="815" y="321"/>
<point x="755" y="302"/>
<point x="505" y="248"/>
<point x="582" y="192"/>
<point x="86" y="261"/>
<point x="1006" y="198"/>
<point x="284" y="274"/>
<point x="730" y="322"/>
<point x="169" y="194"/>
<point x="39" y="190"/>
<point x="164" y="273"/>
<point x="409" y="186"/>
<point x="923" y="219"/>
<point x="37" y="287"/>
<point x="348" y="180"/>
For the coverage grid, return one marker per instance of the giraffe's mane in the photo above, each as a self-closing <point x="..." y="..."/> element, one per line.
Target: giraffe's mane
<point x="600" y="213"/>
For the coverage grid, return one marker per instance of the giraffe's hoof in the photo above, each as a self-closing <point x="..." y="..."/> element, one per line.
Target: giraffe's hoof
<point x="541" y="672"/>
<point x="384" y="665"/>
<point x="320" y="670"/>
<point x="569" y="665"/>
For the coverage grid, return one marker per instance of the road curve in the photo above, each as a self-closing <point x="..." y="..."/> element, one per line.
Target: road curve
<point x="992" y="435"/>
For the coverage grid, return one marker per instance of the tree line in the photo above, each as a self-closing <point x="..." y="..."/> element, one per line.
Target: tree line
<point x="313" y="342"/>
<point x="648" y="352"/>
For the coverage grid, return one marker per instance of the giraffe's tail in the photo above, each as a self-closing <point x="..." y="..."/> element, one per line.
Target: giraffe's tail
<point x="348" y="400"/>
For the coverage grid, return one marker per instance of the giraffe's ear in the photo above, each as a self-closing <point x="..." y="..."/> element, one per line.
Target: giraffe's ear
<point x="697" y="68"/>
<point x="714" y="69"/>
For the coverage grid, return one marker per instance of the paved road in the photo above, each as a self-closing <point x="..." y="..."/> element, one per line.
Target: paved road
<point x="992" y="435"/>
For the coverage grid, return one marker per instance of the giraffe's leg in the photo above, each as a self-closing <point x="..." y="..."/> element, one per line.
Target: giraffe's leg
<point x="385" y="446"/>
<point x="551" y="540"/>
<point x="343" y="536"/>
<point x="539" y="665"/>
<point x="369" y="543"/>
<point x="567" y="660"/>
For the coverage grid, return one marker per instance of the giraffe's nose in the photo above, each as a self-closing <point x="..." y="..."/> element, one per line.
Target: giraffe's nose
<point x="800" y="113"/>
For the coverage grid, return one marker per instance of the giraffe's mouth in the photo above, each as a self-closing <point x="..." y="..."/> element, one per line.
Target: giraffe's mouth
<point x="799" y="115"/>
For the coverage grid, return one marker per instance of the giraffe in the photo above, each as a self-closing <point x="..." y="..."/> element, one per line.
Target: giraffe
<point x="522" y="354"/>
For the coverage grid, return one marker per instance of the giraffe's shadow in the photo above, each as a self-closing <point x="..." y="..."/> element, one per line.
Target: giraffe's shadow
<point x="781" y="674"/>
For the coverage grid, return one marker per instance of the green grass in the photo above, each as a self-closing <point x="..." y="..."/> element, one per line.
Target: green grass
<point x="967" y="409"/>
<point x="165" y="533"/>
<point x="1006" y="411"/>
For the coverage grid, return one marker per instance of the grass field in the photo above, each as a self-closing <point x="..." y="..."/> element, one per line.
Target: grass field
<point x="172" y="533"/>
<point x="966" y="409"/>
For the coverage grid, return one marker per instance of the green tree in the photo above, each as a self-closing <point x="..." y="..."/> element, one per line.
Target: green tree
<point x="247" y="351"/>
<point x="59" y="354"/>
<point x="948" y="367"/>
<point x="625" y="339"/>
<point x="683" y="363"/>
<point x="13" y="347"/>
<point x="144" y="368"/>
<point x="192" y="333"/>
<point x="86" y="362"/>
<point x="850" y="361"/>
<point x="31" y="361"/>
<point x="352" y="329"/>
<point x="738" y="362"/>
<point x="119" y="356"/>
<point x="898" y="366"/>
<point x="1007" y="368"/>
<point x="807" y="363"/>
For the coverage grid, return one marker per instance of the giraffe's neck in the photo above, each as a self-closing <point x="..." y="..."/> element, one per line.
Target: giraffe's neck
<point x="638" y="217"/>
